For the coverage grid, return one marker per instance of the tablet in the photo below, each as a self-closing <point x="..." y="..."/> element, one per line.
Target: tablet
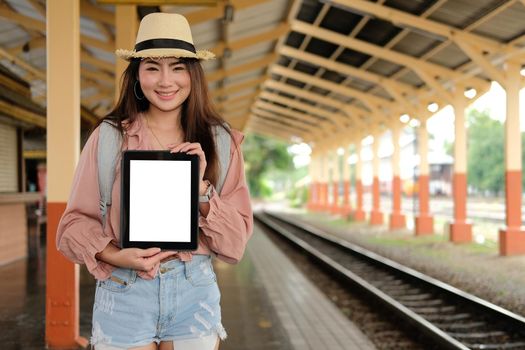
<point x="159" y="200"/>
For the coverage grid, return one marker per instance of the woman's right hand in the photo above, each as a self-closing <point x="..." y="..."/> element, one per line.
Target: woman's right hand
<point x="133" y="258"/>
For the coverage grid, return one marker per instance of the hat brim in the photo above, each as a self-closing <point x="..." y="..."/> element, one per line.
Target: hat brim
<point x="161" y="53"/>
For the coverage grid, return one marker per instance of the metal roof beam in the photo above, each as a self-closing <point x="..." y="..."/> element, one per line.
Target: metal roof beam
<point x="374" y="103"/>
<point x="34" y="43"/>
<point x="239" y="44"/>
<point x="33" y="24"/>
<point x="237" y="105"/>
<point x="39" y="7"/>
<point x="404" y="19"/>
<point x="389" y="55"/>
<point x="283" y="137"/>
<point x="403" y="93"/>
<point x="33" y="71"/>
<point x="86" y="57"/>
<point x="324" y="100"/>
<point x="473" y="45"/>
<point x="300" y="122"/>
<point x="217" y="11"/>
<point x="96" y="13"/>
<point x="345" y="69"/>
<point x="287" y="112"/>
<point x="476" y="55"/>
<point x="355" y="114"/>
<point x="21" y="20"/>
<point x="22" y="114"/>
<point x="268" y="130"/>
<point x="100" y="17"/>
<point x="312" y="96"/>
<point x="87" y="101"/>
<point x="249" y="66"/>
<point x="233" y="88"/>
<point x="237" y="113"/>
<point x="232" y="101"/>
<point x="339" y="120"/>
<point x="282" y="119"/>
<point x="274" y="126"/>
<point x="320" y="131"/>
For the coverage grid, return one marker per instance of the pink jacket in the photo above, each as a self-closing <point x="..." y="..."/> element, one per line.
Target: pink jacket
<point x="224" y="231"/>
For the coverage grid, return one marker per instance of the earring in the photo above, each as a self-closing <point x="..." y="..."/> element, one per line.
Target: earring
<point x="135" y="91"/>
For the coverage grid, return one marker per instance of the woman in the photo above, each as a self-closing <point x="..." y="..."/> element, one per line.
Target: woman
<point x="145" y="298"/>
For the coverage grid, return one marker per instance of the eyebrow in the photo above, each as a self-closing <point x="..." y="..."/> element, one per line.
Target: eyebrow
<point x="157" y="63"/>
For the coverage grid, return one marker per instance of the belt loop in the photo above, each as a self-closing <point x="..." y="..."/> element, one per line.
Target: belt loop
<point x="187" y="269"/>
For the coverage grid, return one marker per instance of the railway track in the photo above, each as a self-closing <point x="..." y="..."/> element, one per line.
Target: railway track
<point x="448" y="317"/>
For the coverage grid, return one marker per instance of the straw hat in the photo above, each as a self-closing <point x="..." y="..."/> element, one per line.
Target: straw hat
<point x="164" y="35"/>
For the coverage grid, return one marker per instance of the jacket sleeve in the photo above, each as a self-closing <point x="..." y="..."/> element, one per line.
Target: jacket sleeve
<point x="80" y="235"/>
<point x="229" y="223"/>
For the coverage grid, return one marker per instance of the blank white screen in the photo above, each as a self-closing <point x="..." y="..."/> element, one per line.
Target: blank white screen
<point x="159" y="201"/>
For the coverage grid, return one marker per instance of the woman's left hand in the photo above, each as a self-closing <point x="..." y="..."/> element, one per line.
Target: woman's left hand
<point x="192" y="148"/>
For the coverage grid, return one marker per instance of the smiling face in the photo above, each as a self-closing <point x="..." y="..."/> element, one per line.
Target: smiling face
<point x="165" y="83"/>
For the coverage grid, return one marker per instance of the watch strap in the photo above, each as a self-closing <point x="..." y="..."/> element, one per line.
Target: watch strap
<point x="206" y="196"/>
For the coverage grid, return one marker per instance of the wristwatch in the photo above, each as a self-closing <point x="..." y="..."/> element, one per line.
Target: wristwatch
<point x="206" y="196"/>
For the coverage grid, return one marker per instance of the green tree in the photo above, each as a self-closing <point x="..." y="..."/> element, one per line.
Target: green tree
<point x="485" y="152"/>
<point x="262" y="156"/>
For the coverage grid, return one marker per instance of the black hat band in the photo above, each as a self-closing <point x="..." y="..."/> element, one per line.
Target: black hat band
<point x="164" y="44"/>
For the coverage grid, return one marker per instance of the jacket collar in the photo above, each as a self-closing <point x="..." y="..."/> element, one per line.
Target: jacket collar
<point x="135" y="128"/>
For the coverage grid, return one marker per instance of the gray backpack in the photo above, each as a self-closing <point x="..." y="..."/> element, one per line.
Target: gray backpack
<point x="109" y="146"/>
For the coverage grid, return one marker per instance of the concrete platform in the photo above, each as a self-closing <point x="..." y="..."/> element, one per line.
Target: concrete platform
<point x="309" y="318"/>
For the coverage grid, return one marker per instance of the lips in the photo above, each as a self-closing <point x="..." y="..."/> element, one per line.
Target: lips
<point x="166" y="95"/>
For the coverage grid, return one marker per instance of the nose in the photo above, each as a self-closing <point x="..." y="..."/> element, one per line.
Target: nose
<point x="166" y="78"/>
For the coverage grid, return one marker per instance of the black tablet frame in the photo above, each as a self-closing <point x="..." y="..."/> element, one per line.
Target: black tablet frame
<point x="127" y="156"/>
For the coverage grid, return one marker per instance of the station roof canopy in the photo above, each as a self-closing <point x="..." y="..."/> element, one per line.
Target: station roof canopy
<point x="318" y="70"/>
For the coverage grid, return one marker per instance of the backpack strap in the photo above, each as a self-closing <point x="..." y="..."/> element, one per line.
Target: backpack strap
<point x="222" y="144"/>
<point x="109" y="147"/>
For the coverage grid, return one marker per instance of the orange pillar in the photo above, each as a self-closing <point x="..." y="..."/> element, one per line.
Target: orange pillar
<point x="315" y="199"/>
<point x="397" y="220"/>
<point x="460" y="229"/>
<point x="326" y="199"/>
<point x="317" y="185"/>
<point x="359" y="214"/>
<point x="376" y="216"/>
<point x="63" y="144"/>
<point x="336" y="178"/>
<point x="324" y="183"/>
<point x="512" y="237"/>
<point x="126" y="26"/>
<point x="345" y="207"/>
<point x="312" y="195"/>
<point x="424" y="222"/>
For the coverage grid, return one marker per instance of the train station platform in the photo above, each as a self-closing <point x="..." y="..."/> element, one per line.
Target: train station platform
<point x="266" y="302"/>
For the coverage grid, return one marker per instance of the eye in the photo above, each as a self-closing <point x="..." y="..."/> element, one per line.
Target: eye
<point x="151" y="68"/>
<point x="179" y="67"/>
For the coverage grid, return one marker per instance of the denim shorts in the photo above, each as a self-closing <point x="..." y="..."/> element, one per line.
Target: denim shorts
<point x="181" y="302"/>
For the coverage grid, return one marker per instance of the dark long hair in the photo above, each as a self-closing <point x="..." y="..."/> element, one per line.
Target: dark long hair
<point x="197" y="118"/>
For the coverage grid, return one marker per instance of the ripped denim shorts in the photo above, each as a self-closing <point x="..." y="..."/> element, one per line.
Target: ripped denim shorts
<point x="181" y="302"/>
